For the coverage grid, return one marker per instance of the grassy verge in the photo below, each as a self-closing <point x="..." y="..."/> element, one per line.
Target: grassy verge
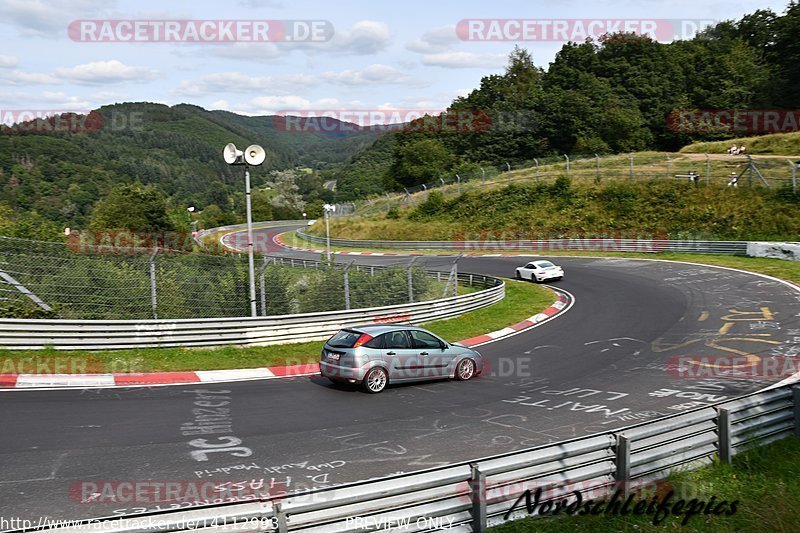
<point x="765" y="480"/>
<point x="522" y="300"/>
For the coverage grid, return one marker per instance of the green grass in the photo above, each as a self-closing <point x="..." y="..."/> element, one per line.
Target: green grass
<point x="777" y="143"/>
<point x="665" y="209"/>
<point x="522" y="300"/>
<point x="765" y="480"/>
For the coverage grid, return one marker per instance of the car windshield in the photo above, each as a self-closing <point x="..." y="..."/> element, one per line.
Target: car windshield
<point x="344" y="339"/>
<point x="545" y="264"/>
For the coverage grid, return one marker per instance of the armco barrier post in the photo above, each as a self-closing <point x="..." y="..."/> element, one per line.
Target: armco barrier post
<point x="477" y="489"/>
<point x="724" y="449"/>
<point x="153" y="299"/>
<point x="623" y="459"/>
<point x="796" y="402"/>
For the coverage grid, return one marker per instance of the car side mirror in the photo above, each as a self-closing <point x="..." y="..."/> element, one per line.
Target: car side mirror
<point x="443" y="345"/>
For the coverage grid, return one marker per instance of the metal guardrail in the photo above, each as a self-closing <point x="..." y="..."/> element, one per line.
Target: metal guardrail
<point x="583" y="244"/>
<point x="479" y="494"/>
<point x="119" y="334"/>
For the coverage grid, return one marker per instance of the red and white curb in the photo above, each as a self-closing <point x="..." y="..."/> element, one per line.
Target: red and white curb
<point x="87" y="381"/>
<point x="38" y="381"/>
<point x="564" y="302"/>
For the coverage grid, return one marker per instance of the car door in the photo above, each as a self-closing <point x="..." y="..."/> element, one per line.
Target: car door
<point x="402" y="359"/>
<point x="434" y="358"/>
<point x="527" y="271"/>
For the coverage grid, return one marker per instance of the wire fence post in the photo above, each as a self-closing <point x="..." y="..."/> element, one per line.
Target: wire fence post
<point x="483" y="177"/>
<point x="347" y="285"/>
<point x="794" y="177"/>
<point x="597" y="172"/>
<point x="537" y="168"/>
<point x="458" y="178"/>
<point x="508" y="165"/>
<point x="669" y="163"/>
<point x="630" y="170"/>
<point x="410" y="274"/>
<point x="153" y="298"/>
<point x="261" y="272"/>
<point x="708" y="170"/>
<point x="567" y="158"/>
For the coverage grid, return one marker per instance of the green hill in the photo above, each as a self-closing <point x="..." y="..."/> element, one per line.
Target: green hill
<point x="57" y="178"/>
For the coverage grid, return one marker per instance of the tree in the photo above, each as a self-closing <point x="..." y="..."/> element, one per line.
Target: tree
<point x="133" y="207"/>
<point x="421" y="162"/>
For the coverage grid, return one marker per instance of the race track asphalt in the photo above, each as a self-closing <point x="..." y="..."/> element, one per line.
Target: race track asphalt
<point x="604" y="364"/>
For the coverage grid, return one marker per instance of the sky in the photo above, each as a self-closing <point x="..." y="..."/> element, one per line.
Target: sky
<point x="364" y="55"/>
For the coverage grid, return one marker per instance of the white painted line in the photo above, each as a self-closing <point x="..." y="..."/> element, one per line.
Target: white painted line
<point x="64" y="380"/>
<point x="234" y="374"/>
<point x="501" y="332"/>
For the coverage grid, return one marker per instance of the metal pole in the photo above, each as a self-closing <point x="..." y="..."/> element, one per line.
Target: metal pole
<point x="153" y="301"/>
<point x="328" y="235"/>
<point x="347" y="285"/>
<point x="459" y="183"/>
<point x="442" y="180"/>
<point x="264" y="287"/>
<point x="708" y="170"/>
<point x="411" y="281"/>
<point x="567" y="158"/>
<point x="250" y="263"/>
<point x="794" y="177"/>
<point x="509" y="166"/>
<point x="483" y="176"/>
<point x="537" y="168"/>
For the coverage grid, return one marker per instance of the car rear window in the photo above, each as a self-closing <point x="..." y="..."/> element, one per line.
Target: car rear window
<point x="344" y="339"/>
<point x="545" y="264"/>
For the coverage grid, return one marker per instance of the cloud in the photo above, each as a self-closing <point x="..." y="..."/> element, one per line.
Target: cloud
<point x="258" y="52"/>
<point x="372" y="75"/>
<point x="18" y="77"/>
<point x="236" y="82"/>
<point x="255" y="4"/>
<point x="48" y="19"/>
<point x="435" y="41"/>
<point x="102" y="72"/>
<point x="271" y="105"/>
<point x="366" y="37"/>
<point x="455" y="59"/>
<point x="8" y="61"/>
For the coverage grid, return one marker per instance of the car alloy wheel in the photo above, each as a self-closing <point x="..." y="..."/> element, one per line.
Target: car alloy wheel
<point x="375" y="380"/>
<point x="465" y="369"/>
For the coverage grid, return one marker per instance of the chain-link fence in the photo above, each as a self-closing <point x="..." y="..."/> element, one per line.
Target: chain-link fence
<point x="44" y="279"/>
<point x="709" y="169"/>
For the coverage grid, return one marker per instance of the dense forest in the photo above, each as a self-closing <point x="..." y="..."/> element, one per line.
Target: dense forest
<point x="140" y="165"/>
<point x="610" y="96"/>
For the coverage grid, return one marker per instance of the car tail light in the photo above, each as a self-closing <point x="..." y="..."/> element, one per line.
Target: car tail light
<point x="362" y="339"/>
